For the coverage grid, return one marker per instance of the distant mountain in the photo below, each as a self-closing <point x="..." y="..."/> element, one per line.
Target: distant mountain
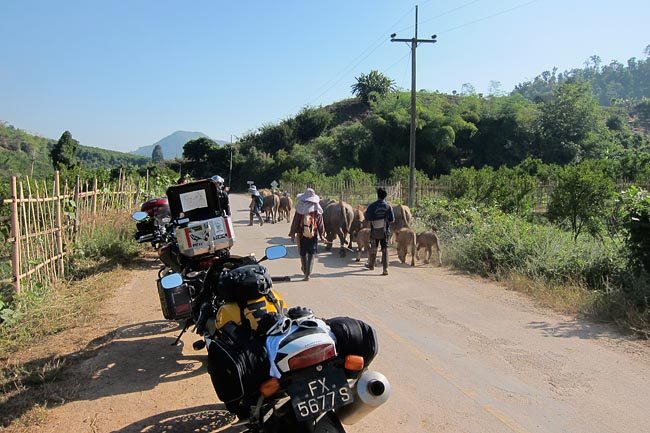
<point x="172" y="145"/>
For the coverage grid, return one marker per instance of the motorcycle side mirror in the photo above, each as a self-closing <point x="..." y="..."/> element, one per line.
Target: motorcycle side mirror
<point x="276" y="252"/>
<point x="139" y="216"/>
<point x="171" y="281"/>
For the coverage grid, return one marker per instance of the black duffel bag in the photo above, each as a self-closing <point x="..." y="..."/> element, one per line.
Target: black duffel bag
<point x="237" y="369"/>
<point x="244" y="283"/>
<point x="354" y="337"/>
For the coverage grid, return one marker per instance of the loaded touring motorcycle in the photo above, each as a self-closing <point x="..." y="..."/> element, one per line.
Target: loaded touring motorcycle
<point x="278" y="369"/>
<point x="283" y="369"/>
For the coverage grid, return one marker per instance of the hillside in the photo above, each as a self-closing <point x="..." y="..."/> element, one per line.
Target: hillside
<point x="453" y="130"/>
<point x="609" y="83"/>
<point x="172" y="145"/>
<point x="20" y="149"/>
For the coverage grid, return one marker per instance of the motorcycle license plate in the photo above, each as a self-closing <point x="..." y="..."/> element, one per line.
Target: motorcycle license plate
<point x="319" y="392"/>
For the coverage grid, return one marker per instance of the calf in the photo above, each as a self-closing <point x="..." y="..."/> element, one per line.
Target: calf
<point x="406" y="242"/>
<point x="429" y="241"/>
<point x="284" y="210"/>
<point x="270" y="207"/>
<point x="363" y="242"/>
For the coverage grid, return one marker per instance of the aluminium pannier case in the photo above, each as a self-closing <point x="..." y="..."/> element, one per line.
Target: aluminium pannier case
<point x="203" y="226"/>
<point x="205" y="237"/>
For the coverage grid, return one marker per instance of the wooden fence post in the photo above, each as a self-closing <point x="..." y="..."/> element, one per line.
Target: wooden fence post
<point x="77" y="213"/>
<point x="15" y="234"/>
<point x="59" y="223"/>
<point x="94" y="197"/>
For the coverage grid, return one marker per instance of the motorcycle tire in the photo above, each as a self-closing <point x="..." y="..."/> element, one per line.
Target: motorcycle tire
<point x="329" y="423"/>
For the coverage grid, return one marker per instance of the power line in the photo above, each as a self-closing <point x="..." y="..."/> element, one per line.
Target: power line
<point x="505" y="11"/>
<point x="354" y="63"/>
<point x="442" y="14"/>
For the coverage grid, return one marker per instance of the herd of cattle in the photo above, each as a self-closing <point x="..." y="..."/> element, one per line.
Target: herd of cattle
<point x="345" y="222"/>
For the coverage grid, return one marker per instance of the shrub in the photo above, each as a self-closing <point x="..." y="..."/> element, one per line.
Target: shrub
<point x="636" y="225"/>
<point x="489" y="242"/>
<point x="509" y="189"/>
<point x="581" y="200"/>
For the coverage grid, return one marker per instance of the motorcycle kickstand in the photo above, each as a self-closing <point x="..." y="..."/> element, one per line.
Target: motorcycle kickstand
<point x="187" y="325"/>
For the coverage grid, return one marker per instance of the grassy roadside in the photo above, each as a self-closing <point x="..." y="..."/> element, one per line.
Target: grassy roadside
<point x="588" y="277"/>
<point x="35" y="350"/>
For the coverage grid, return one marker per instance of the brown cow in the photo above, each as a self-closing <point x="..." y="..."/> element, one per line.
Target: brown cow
<point x="270" y="206"/>
<point x="403" y="219"/>
<point x="337" y="218"/>
<point x="429" y="241"/>
<point x="406" y="242"/>
<point x="284" y="210"/>
<point x="326" y="202"/>
<point x="357" y="222"/>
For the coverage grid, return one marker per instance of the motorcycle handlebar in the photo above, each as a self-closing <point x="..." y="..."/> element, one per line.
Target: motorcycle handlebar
<point x="282" y="279"/>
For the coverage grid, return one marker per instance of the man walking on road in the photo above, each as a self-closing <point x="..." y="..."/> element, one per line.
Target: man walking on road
<point x="256" y="205"/>
<point x="380" y="214"/>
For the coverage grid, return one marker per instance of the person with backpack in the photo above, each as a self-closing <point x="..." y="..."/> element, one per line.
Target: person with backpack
<point x="224" y="200"/>
<point x="380" y="215"/>
<point x="308" y="226"/>
<point x="256" y="205"/>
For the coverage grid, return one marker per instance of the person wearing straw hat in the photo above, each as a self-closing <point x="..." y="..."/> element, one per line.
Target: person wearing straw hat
<point x="256" y="205"/>
<point x="308" y="226"/>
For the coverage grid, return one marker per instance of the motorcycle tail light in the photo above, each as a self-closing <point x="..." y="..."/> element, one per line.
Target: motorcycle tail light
<point x="269" y="387"/>
<point x="312" y="356"/>
<point x="354" y="363"/>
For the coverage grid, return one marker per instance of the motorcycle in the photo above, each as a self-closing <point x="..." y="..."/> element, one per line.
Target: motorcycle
<point x="191" y="234"/>
<point x="297" y="379"/>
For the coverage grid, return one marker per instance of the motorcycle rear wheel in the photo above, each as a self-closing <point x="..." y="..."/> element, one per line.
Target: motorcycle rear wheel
<point x="329" y="424"/>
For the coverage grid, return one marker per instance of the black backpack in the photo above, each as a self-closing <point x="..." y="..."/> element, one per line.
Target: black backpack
<point x="244" y="283"/>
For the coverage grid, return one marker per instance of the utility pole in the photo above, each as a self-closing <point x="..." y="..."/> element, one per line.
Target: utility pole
<point x="414" y="41"/>
<point x="230" y="170"/>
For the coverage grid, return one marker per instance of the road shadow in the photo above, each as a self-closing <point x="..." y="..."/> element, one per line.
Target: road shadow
<point x="126" y="360"/>
<point x="131" y="261"/>
<point x="575" y="328"/>
<point x="206" y="418"/>
<point x="146" y="329"/>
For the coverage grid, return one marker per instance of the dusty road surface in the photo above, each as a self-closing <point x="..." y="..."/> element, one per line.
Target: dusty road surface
<point x="462" y="355"/>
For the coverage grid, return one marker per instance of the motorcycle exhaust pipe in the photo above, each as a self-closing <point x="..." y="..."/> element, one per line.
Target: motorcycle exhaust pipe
<point x="371" y="391"/>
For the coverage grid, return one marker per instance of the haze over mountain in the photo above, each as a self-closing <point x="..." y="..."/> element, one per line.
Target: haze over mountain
<point x="172" y="145"/>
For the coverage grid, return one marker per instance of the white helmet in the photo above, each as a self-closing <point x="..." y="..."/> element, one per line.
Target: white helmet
<point x="218" y="179"/>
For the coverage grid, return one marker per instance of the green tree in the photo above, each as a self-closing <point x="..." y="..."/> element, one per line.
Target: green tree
<point x="571" y="124"/>
<point x="157" y="155"/>
<point x="198" y="149"/>
<point x="64" y="152"/>
<point x="581" y="200"/>
<point x="311" y="122"/>
<point x="373" y="83"/>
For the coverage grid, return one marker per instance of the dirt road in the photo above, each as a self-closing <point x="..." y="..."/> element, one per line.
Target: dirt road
<point x="462" y="355"/>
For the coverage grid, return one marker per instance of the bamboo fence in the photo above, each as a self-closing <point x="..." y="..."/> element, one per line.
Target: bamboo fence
<point x="48" y="218"/>
<point x="353" y="192"/>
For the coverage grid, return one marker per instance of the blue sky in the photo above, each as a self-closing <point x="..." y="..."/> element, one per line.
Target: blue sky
<point x="122" y="74"/>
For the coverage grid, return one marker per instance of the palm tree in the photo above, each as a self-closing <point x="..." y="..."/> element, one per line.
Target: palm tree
<point x="375" y="82"/>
